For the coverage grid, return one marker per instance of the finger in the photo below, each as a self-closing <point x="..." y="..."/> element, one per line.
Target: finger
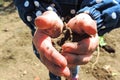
<point x="47" y="20"/>
<point x="82" y="47"/>
<point x="83" y="23"/>
<point x="50" y="22"/>
<point x="44" y="46"/>
<point x="74" y="59"/>
<point x="55" y="69"/>
<point x="52" y="32"/>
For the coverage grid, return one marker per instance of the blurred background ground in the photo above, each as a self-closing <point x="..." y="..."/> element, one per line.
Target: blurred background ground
<point x="18" y="62"/>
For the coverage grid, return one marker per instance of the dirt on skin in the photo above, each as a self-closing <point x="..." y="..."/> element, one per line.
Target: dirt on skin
<point x="18" y="62"/>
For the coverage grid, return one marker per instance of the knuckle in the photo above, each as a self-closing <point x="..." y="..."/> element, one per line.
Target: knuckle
<point x="87" y="59"/>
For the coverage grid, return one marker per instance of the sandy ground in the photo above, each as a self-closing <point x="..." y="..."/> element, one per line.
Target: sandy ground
<point x="18" y="62"/>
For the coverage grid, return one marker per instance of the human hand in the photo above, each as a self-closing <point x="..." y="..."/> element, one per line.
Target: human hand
<point x="50" y="57"/>
<point x="49" y="23"/>
<point x="78" y="53"/>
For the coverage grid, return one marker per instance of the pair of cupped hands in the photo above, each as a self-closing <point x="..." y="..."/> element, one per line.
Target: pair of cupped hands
<point x="49" y="25"/>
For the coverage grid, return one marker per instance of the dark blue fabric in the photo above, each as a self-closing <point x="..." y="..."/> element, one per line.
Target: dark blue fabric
<point x="105" y="12"/>
<point x="100" y="10"/>
<point x="54" y="77"/>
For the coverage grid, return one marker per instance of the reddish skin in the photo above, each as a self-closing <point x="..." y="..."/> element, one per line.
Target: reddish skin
<point x="83" y="23"/>
<point x="49" y="23"/>
<point x="78" y="53"/>
<point x="50" y="57"/>
<point x="37" y="78"/>
<point x="73" y="53"/>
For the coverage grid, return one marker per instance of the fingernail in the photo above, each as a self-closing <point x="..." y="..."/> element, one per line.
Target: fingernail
<point x="66" y="72"/>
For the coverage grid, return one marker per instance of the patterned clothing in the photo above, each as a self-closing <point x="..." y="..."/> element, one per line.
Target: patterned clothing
<point x="105" y="12"/>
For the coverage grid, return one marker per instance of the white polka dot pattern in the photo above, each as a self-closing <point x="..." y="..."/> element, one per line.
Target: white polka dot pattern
<point x="104" y="12"/>
<point x="113" y="15"/>
<point x="49" y="8"/>
<point x="26" y="4"/>
<point x="103" y="27"/>
<point x="38" y="13"/>
<point x="99" y="1"/>
<point x="36" y="3"/>
<point x="29" y="18"/>
<point x="72" y="11"/>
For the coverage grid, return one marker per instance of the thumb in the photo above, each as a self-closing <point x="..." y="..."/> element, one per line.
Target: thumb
<point x="50" y="24"/>
<point x="83" y="23"/>
<point x="48" y="20"/>
<point x="44" y="46"/>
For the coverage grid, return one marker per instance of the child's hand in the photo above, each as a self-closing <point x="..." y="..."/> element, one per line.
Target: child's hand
<point x="78" y="53"/>
<point x="49" y="25"/>
<point x="50" y="57"/>
<point x="83" y="23"/>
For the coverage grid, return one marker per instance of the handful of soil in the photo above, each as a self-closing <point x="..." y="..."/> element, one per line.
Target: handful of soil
<point x="67" y="35"/>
